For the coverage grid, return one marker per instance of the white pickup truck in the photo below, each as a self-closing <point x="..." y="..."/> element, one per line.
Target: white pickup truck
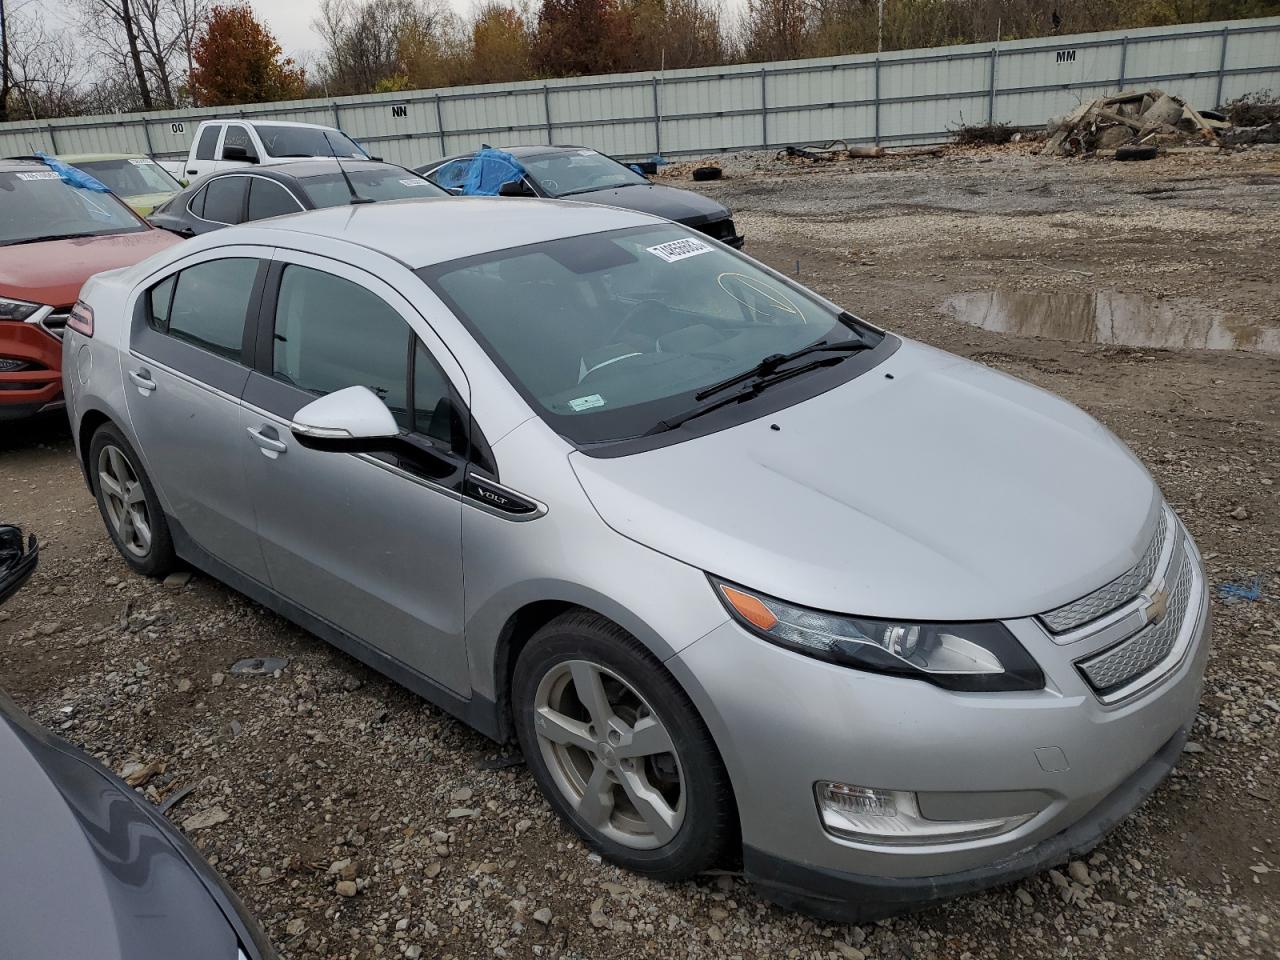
<point x="220" y="144"/>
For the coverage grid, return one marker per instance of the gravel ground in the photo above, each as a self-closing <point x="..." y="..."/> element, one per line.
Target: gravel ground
<point x="358" y="821"/>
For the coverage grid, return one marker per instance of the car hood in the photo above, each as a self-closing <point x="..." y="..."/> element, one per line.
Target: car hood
<point x="53" y="272"/>
<point x="682" y="206"/>
<point x="86" y="872"/>
<point x="929" y="488"/>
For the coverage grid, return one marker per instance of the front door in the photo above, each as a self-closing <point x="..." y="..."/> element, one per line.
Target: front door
<point x="187" y="365"/>
<point x="369" y="543"/>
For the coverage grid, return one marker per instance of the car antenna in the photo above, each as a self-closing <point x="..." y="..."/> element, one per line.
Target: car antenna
<point x="351" y="187"/>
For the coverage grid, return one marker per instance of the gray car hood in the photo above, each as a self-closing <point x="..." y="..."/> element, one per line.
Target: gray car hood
<point x="949" y="492"/>
<point x="683" y="206"/>
<point x="85" y="872"/>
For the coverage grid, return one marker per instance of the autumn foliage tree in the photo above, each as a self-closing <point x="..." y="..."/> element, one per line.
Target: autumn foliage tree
<point x="237" y="60"/>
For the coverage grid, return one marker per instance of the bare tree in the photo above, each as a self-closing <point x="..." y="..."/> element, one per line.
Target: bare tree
<point x="105" y="20"/>
<point x="6" y="80"/>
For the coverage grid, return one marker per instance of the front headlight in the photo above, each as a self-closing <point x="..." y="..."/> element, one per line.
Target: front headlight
<point x="16" y="309"/>
<point x="956" y="656"/>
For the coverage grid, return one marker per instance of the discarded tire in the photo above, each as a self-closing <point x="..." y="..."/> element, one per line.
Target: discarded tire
<point x="707" y="173"/>
<point x="1143" y="152"/>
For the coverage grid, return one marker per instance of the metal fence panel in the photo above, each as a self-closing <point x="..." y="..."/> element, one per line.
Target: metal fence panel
<point x="909" y="96"/>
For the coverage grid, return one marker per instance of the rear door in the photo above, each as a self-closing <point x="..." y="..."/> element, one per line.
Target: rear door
<point x="204" y="152"/>
<point x="237" y="137"/>
<point x="368" y="542"/>
<point x="186" y="368"/>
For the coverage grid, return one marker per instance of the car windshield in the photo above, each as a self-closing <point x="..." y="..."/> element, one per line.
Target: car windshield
<point x="37" y="204"/>
<point x="385" y="183"/>
<point x="308" y="142"/>
<point x="610" y="333"/>
<point x="579" y="171"/>
<point x="133" y="177"/>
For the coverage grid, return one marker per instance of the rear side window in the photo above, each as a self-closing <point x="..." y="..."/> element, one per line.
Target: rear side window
<point x="238" y="136"/>
<point x="224" y="199"/>
<point x="269" y="199"/>
<point x="196" y="205"/>
<point x="208" y="142"/>
<point x="331" y="333"/>
<point x="205" y="304"/>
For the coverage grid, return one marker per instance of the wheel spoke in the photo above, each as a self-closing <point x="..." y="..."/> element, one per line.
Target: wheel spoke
<point x="648" y="737"/>
<point x="126" y="529"/>
<point x="596" y="805"/>
<point x="558" y="728"/>
<point x="651" y="805"/>
<point x="141" y="527"/>
<point x="108" y="483"/>
<point x="135" y="496"/>
<point x="590" y="687"/>
<point x="119" y="466"/>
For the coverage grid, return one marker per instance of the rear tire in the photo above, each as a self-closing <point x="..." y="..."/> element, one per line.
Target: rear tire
<point x="129" y="505"/>
<point x="619" y="750"/>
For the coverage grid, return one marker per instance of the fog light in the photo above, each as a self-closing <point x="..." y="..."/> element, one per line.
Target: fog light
<point x="892" y="817"/>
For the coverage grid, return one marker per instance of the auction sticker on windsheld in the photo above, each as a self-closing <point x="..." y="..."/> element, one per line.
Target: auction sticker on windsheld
<point x="50" y="175"/>
<point x="586" y="403"/>
<point x="675" y="250"/>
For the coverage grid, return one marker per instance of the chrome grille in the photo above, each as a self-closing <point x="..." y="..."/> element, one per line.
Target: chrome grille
<point x="1114" y="594"/>
<point x="1146" y="649"/>
<point x="56" y="323"/>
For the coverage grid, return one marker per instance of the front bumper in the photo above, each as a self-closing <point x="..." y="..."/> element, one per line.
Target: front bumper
<point x="38" y="387"/>
<point x="783" y="721"/>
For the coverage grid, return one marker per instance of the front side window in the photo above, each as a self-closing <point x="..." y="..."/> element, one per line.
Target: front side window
<point x="331" y="333"/>
<point x="452" y="175"/>
<point x="132" y="177"/>
<point x="607" y="334"/>
<point x="224" y="199"/>
<point x="205" y="304"/>
<point x="238" y="136"/>
<point x="36" y="205"/>
<point x="269" y="199"/>
<point x="282" y="141"/>
<point x="378" y="183"/>
<point x="579" y="171"/>
<point x="208" y="142"/>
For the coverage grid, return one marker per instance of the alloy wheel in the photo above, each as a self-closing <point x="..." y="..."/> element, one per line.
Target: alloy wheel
<point x="124" y="501"/>
<point x="610" y="754"/>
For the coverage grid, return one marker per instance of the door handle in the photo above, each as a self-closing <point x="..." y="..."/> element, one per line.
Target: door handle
<point x="271" y="447"/>
<point x="142" y="380"/>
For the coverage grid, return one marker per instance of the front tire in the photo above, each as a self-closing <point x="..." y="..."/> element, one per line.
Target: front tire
<point x="129" y="505"/>
<point x="619" y="751"/>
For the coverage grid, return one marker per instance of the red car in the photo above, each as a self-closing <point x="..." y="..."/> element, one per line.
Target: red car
<point x="53" y="237"/>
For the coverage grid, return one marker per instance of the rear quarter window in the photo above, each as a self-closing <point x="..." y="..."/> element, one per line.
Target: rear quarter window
<point x="208" y="141"/>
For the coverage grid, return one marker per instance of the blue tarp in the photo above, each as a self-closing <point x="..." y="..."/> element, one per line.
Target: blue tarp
<point x="69" y="174"/>
<point x="489" y="170"/>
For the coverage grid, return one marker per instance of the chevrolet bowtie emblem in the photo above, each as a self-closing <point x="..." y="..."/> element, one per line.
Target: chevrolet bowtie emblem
<point x="1158" y="606"/>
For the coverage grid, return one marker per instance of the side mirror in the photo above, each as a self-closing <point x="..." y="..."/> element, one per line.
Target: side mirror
<point x="17" y="560"/>
<point x="234" y="152"/>
<point x="351" y="420"/>
<point x="515" y="188"/>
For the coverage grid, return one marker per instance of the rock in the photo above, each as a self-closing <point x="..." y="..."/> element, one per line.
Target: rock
<point x="345" y="888"/>
<point x="295" y="926"/>
<point x="258" y="666"/>
<point x="352" y="684"/>
<point x="1192" y="747"/>
<point x="184" y="685"/>
<point x="216" y="680"/>
<point x="432" y="869"/>
<point x="543" y="916"/>
<point x="176" y="581"/>
<point x="457" y="813"/>
<point x="205" y="818"/>
<point x="848" y="951"/>
<point x="461" y="795"/>
<point x="413" y="952"/>
<point x="523" y="825"/>
<point x="1239" y="513"/>
<point x="1024" y="897"/>
<point x="718" y="914"/>
<point x="598" y="920"/>
<point x="1079" y="873"/>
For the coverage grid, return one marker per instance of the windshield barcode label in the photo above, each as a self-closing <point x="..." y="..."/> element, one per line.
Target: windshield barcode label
<point x="38" y="176"/>
<point x="141" y="162"/>
<point x="679" y="249"/>
<point x="414" y="183"/>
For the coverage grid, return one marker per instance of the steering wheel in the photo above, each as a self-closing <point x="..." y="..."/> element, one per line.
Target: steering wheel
<point x="550" y="186"/>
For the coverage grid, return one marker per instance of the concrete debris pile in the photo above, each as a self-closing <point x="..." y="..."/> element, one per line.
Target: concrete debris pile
<point x="842" y="150"/>
<point x="1133" y="124"/>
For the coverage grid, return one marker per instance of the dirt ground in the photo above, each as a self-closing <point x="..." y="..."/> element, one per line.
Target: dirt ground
<point x="453" y="852"/>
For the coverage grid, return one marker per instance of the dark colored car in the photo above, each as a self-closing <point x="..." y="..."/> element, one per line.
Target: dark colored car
<point x="243" y="194"/>
<point x="91" y="868"/>
<point x="577" y="173"/>
<point x="53" y="237"/>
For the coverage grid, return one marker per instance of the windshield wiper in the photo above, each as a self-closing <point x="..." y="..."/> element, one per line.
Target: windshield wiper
<point x="746" y="393"/>
<point x="56" y="236"/>
<point x="772" y="362"/>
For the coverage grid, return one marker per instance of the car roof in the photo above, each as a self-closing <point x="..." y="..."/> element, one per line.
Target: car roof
<point x="20" y="164"/>
<point x="270" y="122"/>
<point x="523" y="150"/>
<point x="74" y="158"/>
<point x="299" y="169"/>
<point x="438" y="229"/>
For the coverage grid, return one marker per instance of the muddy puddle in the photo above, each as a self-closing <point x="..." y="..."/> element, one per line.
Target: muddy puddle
<point x="1129" y="319"/>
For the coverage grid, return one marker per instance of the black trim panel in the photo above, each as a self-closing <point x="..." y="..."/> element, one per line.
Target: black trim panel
<point x="478" y="712"/>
